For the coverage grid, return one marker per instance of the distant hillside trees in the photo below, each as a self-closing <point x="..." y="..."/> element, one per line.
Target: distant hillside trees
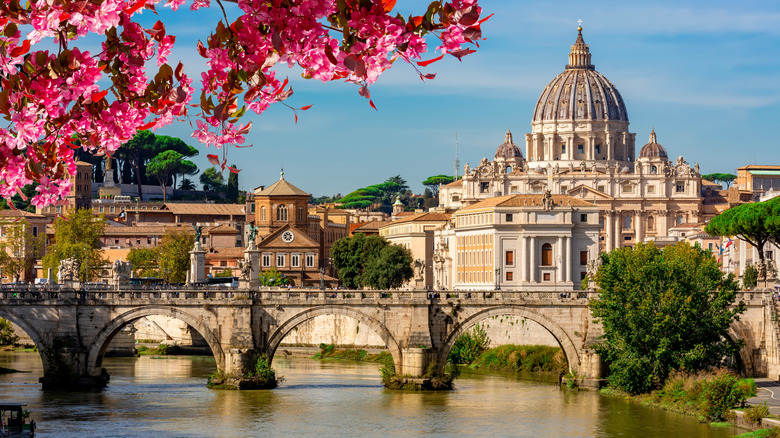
<point x="378" y="197"/>
<point x="720" y="178"/>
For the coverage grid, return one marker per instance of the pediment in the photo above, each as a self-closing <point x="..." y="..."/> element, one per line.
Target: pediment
<point x="277" y="239"/>
<point x="584" y="192"/>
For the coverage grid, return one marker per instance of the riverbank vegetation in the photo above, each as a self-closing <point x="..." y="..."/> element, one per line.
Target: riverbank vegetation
<point x="471" y="349"/>
<point x="329" y="351"/>
<point x="709" y="395"/>
<point x="261" y="377"/>
<point x="663" y="311"/>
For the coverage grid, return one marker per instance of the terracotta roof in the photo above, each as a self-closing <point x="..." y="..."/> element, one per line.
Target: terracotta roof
<point x="373" y="225"/>
<point x="281" y="188"/>
<point x="456" y="183"/>
<point x="313" y="276"/>
<point x="421" y="217"/>
<point x="527" y="201"/>
<point x="706" y="182"/>
<point x="759" y="166"/>
<point x="221" y="229"/>
<point x="141" y="230"/>
<point x="20" y="213"/>
<point x="225" y="253"/>
<point x="204" y="209"/>
<point x="405" y="214"/>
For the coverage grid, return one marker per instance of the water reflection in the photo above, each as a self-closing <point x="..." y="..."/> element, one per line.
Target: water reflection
<point x="167" y="397"/>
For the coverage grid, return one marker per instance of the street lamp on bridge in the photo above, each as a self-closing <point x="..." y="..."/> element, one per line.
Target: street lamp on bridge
<point x="498" y="278"/>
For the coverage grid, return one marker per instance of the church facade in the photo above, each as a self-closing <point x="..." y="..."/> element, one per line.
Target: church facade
<point x="580" y="145"/>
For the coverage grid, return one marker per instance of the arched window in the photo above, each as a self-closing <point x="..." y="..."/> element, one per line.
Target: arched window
<point x="281" y="213"/>
<point x="508" y="169"/>
<point x="627" y="219"/>
<point x="680" y="219"/>
<point x="262" y="213"/>
<point x="547" y="254"/>
<point x="653" y="169"/>
<point x="651" y="223"/>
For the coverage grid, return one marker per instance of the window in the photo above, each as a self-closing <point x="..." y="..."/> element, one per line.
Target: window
<point x="650" y="190"/>
<point x="113" y="209"/>
<point x="628" y="188"/>
<point x="116" y="241"/>
<point x="309" y="260"/>
<point x="252" y="208"/>
<point x="509" y="217"/>
<point x="564" y="189"/>
<point x="680" y="219"/>
<point x="601" y="189"/>
<point x="653" y="169"/>
<point x="650" y="223"/>
<point x="681" y="188"/>
<point x="546" y="254"/>
<point x="280" y="260"/>
<point x="709" y="246"/>
<point x="300" y="214"/>
<point x="508" y="169"/>
<point x="35" y="231"/>
<point x="598" y="149"/>
<point x="148" y="240"/>
<point x="584" y="218"/>
<point x="583" y="258"/>
<point x="484" y="187"/>
<point x="510" y="258"/>
<point x="627" y="221"/>
<point x="101" y="209"/>
<point x="266" y="260"/>
<point x="295" y="260"/>
<point x="223" y="263"/>
<point x="509" y="276"/>
<point x="626" y="237"/>
<point x="546" y="276"/>
<point x="580" y="148"/>
<point x="563" y="148"/>
<point x="262" y="213"/>
<point x="583" y="275"/>
<point x="281" y="213"/>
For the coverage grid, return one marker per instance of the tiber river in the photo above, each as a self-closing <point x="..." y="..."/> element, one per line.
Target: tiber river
<point x="167" y="396"/>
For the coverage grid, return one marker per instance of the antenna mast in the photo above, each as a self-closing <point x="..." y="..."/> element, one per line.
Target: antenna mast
<point x="457" y="161"/>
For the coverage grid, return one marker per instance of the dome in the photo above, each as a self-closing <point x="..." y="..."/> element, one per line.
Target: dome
<point x="508" y="149"/>
<point x="652" y="149"/>
<point x="580" y="92"/>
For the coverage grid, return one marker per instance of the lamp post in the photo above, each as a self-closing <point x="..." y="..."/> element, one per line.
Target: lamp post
<point x="498" y="278"/>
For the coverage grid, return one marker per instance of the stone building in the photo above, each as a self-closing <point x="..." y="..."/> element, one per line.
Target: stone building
<point x="534" y="242"/>
<point x="80" y="193"/>
<point x="580" y="145"/>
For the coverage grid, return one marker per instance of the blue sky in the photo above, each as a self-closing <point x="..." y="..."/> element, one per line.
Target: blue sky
<point x="704" y="74"/>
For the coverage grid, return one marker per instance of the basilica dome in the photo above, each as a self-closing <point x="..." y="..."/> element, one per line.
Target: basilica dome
<point x="508" y="149"/>
<point x="580" y="92"/>
<point x="652" y="149"/>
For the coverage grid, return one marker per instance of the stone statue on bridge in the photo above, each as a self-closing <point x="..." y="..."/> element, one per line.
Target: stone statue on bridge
<point x="245" y="267"/>
<point x="68" y="270"/>
<point x="121" y="271"/>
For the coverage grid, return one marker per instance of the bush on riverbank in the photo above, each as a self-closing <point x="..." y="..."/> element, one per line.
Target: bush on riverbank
<point x="522" y="358"/>
<point x="708" y="395"/>
<point x="7" y="335"/>
<point x="328" y="351"/>
<point x="762" y="433"/>
<point x="161" y="350"/>
<point x="469" y="346"/>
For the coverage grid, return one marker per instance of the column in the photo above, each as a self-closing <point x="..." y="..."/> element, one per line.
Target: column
<point x="559" y="260"/>
<point x="618" y="226"/>
<point x="609" y="217"/>
<point x="532" y="260"/>
<point x="524" y="263"/>
<point x="640" y="226"/>
<point x="569" y="257"/>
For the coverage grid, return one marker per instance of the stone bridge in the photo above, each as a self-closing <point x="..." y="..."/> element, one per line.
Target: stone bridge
<point x="72" y="330"/>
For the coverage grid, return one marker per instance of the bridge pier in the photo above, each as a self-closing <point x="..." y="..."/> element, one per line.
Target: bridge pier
<point x="414" y="361"/>
<point x="240" y="362"/>
<point x="66" y="369"/>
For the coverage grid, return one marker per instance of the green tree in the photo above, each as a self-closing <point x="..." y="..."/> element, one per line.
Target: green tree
<point x="469" y="346"/>
<point x="7" y="335"/>
<point x="272" y="277"/>
<point x="390" y="269"/>
<point x="175" y="254"/>
<point x="187" y="184"/>
<point x="231" y="191"/>
<point x="77" y="235"/>
<point x="378" y="196"/>
<point x="663" y="310"/>
<point x="19" y="249"/>
<point x="433" y="183"/>
<point x="145" y="261"/>
<point x="756" y="223"/>
<point x="142" y="148"/>
<point x="212" y="180"/>
<point x="371" y="261"/>
<point x="166" y="165"/>
<point x="720" y="178"/>
<point x="750" y="277"/>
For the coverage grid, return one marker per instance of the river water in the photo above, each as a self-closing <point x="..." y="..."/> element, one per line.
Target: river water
<point x="167" y="396"/>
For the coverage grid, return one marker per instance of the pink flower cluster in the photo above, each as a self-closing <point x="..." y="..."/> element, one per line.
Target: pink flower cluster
<point x="54" y="103"/>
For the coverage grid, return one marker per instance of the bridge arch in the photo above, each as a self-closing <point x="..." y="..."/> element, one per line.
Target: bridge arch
<point x="100" y="343"/>
<point x="31" y="332"/>
<point x="560" y="335"/>
<point x="276" y="337"/>
<point x="744" y="358"/>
